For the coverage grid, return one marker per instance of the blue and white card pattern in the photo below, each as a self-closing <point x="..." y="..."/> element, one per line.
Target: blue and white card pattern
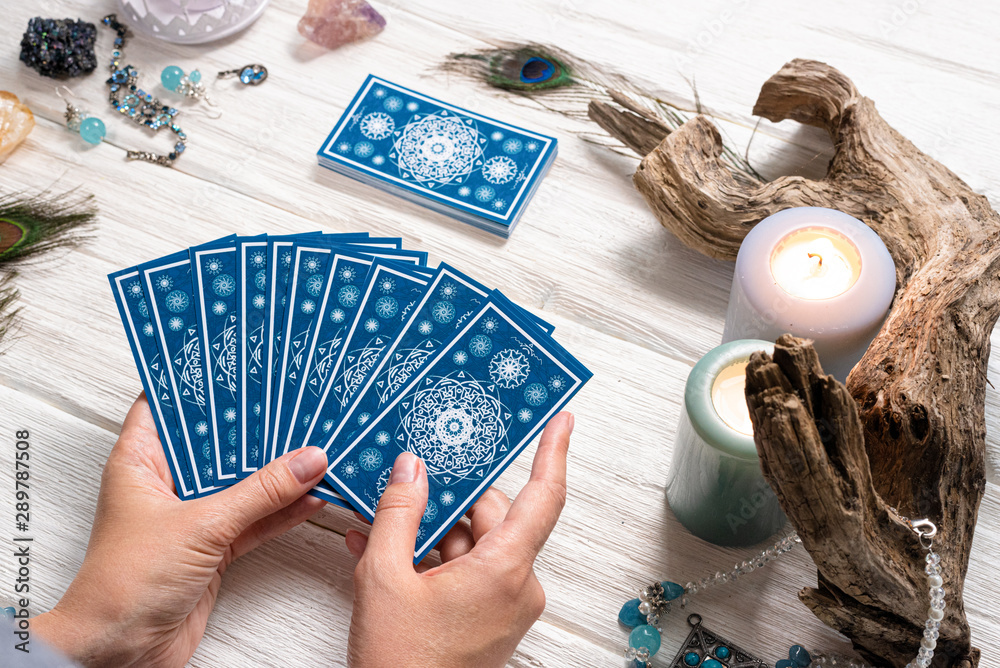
<point x="417" y="145"/>
<point x="389" y="296"/>
<point x="467" y="414"/>
<point x="169" y="286"/>
<point x="133" y="307"/>
<point x="214" y="284"/>
<point x="250" y="289"/>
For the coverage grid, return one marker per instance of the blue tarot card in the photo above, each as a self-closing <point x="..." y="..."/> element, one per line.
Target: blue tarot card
<point x="450" y="300"/>
<point x="215" y="269"/>
<point x="169" y="285"/>
<point x="341" y="297"/>
<point x="467" y="414"/>
<point x="437" y="154"/>
<point x="134" y="309"/>
<point x="387" y="300"/>
<point x="251" y="257"/>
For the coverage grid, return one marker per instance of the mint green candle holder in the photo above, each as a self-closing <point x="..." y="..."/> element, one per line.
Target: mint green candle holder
<point x="715" y="486"/>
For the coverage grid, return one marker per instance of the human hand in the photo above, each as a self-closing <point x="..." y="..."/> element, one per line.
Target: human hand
<point x="154" y="563"/>
<point x="476" y="606"/>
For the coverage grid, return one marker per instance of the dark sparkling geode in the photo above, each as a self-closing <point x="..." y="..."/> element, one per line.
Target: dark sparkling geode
<point x="59" y="48"/>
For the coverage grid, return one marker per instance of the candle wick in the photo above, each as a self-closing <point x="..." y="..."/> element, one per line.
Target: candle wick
<point x="812" y="255"/>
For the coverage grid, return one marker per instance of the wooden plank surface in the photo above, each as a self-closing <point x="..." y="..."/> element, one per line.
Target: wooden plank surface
<point x="628" y="299"/>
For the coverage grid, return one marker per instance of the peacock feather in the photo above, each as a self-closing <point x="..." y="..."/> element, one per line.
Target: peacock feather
<point x="31" y="225"/>
<point x="573" y="87"/>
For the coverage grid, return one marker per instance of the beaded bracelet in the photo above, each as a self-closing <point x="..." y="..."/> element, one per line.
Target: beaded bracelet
<point x="644" y="616"/>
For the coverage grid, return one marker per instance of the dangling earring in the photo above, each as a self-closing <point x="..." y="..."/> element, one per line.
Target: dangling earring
<point x="90" y="128"/>
<point x="250" y="75"/>
<point x="189" y="85"/>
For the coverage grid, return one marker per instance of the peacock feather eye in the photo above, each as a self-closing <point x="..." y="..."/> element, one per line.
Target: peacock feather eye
<point x="526" y="70"/>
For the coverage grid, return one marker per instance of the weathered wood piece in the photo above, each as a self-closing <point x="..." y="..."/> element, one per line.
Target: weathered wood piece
<point x="908" y="431"/>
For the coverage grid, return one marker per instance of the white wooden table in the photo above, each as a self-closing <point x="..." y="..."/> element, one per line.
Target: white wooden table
<point x="628" y="298"/>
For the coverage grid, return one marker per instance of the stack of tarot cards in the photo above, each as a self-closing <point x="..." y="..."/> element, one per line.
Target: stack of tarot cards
<point x="249" y="347"/>
<point x="467" y="166"/>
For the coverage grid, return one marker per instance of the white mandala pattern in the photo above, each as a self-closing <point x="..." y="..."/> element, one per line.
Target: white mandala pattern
<point x="370" y="459"/>
<point x="499" y="169"/>
<point x="425" y="327"/>
<point x="512" y="146"/>
<point x="308" y="306"/>
<point x="387" y="284"/>
<point x="524" y="415"/>
<point x="177" y="301"/>
<point x="490" y="325"/>
<point x="437" y="149"/>
<point x="496" y="136"/>
<point x="480" y="345"/>
<point x="314" y="285"/>
<point x="175" y="324"/>
<point x="393" y="104"/>
<point x="378" y="160"/>
<point x="412" y="106"/>
<point x="344" y="147"/>
<point x="260" y="279"/>
<point x="386" y="307"/>
<point x="147" y="329"/>
<point x="164" y="283"/>
<point x="454" y="425"/>
<point x="347" y="274"/>
<point x="447" y="291"/>
<point x="484" y="193"/>
<point x="499" y="204"/>
<point x="213" y="266"/>
<point x="443" y="312"/>
<point x="447" y="497"/>
<point x="371" y="325"/>
<point x="377" y="125"/>
<point x="229" y="415"/>
<point x="259" y="301"/>
<point x="363" y="149"/>
<point x="224" y="285"/>
<point x="460" y="357"/>
<point x="430" y="512"/>
<point x="337" y="315"/>
<point x="143" y="308"/>
<point x="531" y="146"/>
<point x="219" y="308"/>
<point x="509" y="368"/>
<point x="536" y="394"/>
<point x="134" y="290"/>
<point x="379" y="92"/>
<point x="557" y="384"/>
<point x="349" y="470"/>
<point x="257" y="259"/>
<point x="382" y="438"/>
<point x="464" y="191"/>
<point x="201" y="429"/>
<point x="312" y="264"/>
<point x="327" y="426"/>
<point x="348" y="296"/>
<point x="286" y="259"/>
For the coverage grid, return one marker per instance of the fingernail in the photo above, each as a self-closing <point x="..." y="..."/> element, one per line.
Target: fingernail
<point x="570" y="421"/>
<point x="405" y="469"/>
<point x="307" y="464"/>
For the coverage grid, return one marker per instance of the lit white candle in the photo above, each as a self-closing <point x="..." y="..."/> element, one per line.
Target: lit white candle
<point x="816" y="273"/>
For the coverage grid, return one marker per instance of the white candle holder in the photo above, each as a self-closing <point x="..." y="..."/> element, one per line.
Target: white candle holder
<point x="190" y="21"/>
<point x="715" y="486"/>
<point x="841" y="323"/>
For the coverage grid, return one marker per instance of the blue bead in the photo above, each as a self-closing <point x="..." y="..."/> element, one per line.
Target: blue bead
<point x="722" y="652"/>
<point x="712" y="663"/>
<point x="195" y="76"/>
<point x="8" y="613"/>
<point x="246" y="75"/>
<point x="784" y="663"/>
<point x="692" y="658"/>
<point x="798" y="655"/>
<point x="645" y="636"/>
<point x="630" y="615"/>
<point x="171" y="77"/>
<point x="672" y="590"/>
<point x="92" y="130"/>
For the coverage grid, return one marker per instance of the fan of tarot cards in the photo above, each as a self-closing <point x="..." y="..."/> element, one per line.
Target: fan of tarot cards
<point x="249" y="347"/>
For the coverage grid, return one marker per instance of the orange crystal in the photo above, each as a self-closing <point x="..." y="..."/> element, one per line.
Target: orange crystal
<point x="16" y="122"/>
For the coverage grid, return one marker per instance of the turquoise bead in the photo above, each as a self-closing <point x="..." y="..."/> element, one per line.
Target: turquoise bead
<point x="645" y="636"/>
<point x="672" y="590"/>
<point x="722" y="652"/>
<point x="692" y="658"/>
<point x="711" y="663"/>
<point x="195" y="76"/>
<point x="630" y="615"/>
<point x="92" y="130"/>
<point x="171" y="77"/>
<point x="8" y="613"/>
<point x="784" y="663"/>
<point x="798" y="655"/>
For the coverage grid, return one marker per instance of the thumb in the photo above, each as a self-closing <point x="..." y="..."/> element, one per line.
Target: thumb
<point x="270" y="489"/>
<point x="397" y="518"/>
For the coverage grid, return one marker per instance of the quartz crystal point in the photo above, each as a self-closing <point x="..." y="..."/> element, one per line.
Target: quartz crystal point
<point x="334" y="23"/>
<point x="16" y="122"/>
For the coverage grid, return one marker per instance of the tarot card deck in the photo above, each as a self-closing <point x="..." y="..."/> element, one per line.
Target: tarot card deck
<point x="250" y="347"/>
<point x="468" y="166"/>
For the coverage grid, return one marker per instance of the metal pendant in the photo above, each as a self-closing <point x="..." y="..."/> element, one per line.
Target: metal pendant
<point x="250" y="75"/>
<point x="706" y="649"/>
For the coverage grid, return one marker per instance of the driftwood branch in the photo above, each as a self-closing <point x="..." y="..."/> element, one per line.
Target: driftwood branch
<point x="908" y="431"/>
